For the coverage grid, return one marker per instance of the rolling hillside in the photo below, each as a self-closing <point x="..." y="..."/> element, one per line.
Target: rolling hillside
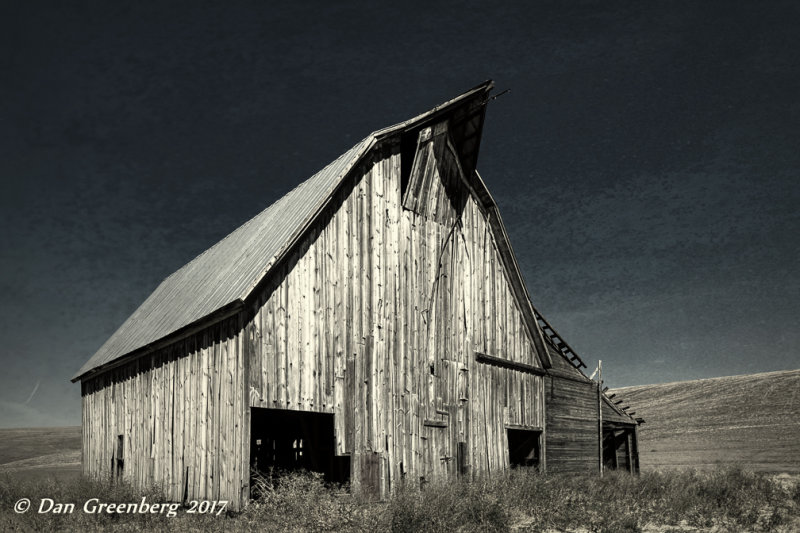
<point x="752" y="421"/>
<point x="41" y="452"/>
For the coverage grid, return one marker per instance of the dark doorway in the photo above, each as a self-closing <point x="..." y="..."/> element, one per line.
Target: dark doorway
<point x="618" y="449"/>
<point x="283" y="441"/>
<point x="118" y="458"/>
<point x="523" y="447"/>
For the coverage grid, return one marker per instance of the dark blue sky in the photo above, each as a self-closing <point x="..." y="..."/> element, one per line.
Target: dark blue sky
<point x="645" y="162"/>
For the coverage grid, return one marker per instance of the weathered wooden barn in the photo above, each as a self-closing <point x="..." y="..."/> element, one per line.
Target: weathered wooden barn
<point x="372" y="325"/>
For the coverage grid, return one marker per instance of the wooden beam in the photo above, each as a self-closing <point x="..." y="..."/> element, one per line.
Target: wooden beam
<point x="505" y="363"/>
<point x="435" y="423"/>
<point x="525" y="428"/>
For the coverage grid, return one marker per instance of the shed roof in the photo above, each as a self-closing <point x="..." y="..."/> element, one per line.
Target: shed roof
<point x="567" y="364"/>
<point x="223" y="276"/>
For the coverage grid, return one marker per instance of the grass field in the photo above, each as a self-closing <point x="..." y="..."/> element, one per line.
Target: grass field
<point x="752" y="421"/>
<point x="41" y="453"/>
<point x="720" y="500"/>
<point x="27" y="443"/>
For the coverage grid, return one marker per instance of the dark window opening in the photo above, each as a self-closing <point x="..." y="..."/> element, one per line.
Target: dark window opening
<point x="462" y="457"/>
<point x="283" y="441"/>
<point x="524" y="447"/>
<point x="118" y="460"/>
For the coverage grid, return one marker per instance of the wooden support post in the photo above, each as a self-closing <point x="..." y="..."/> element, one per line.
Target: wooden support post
<point x="600" y="415"/>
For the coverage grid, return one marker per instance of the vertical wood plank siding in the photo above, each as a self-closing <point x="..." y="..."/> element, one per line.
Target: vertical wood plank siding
<point x="375" y="317"/>
<point x="180" y="417"/>
<point x="381" y="309"/>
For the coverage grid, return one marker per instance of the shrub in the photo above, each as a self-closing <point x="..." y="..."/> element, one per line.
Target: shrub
<point x="447" y="506"/>
<point x="301" y="501"/>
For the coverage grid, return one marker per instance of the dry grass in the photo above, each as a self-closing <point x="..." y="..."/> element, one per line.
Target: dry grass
<point x="720" y="500"/>
<point x="24" y="443"/>
<point x="41" y="453"/>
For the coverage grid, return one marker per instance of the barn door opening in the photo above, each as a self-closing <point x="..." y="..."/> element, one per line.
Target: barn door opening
<point x="284" y="441"/>
<point x="524" y="447"/>
<point x="618" y="448"/>
<point x="118" y="458"/>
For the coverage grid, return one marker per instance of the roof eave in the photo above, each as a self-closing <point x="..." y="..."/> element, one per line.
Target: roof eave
<point x="222" y="313"/>
<point x="507" y="253"/>
<point x="619" y="411"/>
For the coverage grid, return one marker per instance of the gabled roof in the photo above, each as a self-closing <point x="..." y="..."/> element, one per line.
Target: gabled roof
<point x="217" y="282"/>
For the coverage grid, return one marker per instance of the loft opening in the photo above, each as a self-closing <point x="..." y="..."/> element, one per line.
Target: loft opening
<point x="430" y="174"/>
<point x="408" y="150"/>
<point x="524" y="447"/>
<point x="284" y="441"/>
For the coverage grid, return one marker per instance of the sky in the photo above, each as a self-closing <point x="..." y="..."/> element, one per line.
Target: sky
<point x="645" y="162"/>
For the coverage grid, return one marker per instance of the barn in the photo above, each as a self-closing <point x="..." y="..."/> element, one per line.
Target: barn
<point x="372" y="325"/>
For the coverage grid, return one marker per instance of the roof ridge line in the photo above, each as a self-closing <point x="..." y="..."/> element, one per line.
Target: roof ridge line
<point x="152" y="322"/>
